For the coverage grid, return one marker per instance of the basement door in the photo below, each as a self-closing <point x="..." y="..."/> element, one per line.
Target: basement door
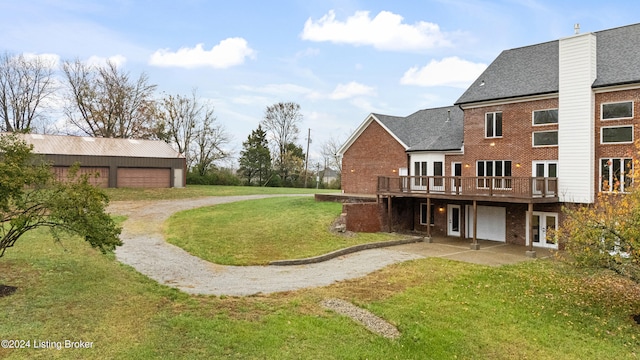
<point x="453" y="216"/>
<point x="544" y="224"/>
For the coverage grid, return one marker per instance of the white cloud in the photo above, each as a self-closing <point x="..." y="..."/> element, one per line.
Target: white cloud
<point x="341" y="92"/>
<point x="52" y="59"/>
<point x="451" y="71"/>
<point x="385" y="31"/>
<point x="229" y="52"/>
<point x="118" y="60"/>
<point x="352" y="89"/>
<point x="276" y="89"/>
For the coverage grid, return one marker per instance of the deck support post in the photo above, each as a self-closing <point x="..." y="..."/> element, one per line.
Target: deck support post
<point x="389" y="216"/>
<point x="475" y="245"/>
<point x="530" y="253"/>
<point x="429" y="218"/>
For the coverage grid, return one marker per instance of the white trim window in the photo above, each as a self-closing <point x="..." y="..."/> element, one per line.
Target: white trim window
<point x="616" y="134"/>
<point x="499" y="169"/>
<point x="616" y="174"/>
<point x="544" y="138"/>
<point x="544" y="117"/>
<point x="438" y="170"/>
<point x="616" y="110"/>
<point x="493" y="125"/>
<point x="420" y="169"/>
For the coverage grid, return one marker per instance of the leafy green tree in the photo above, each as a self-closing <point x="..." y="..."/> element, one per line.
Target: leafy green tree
<point x="292" y="165"/>
<point x="31" y="197"/>
<point x="607" y="233"/>
<point x="255" y="157"/>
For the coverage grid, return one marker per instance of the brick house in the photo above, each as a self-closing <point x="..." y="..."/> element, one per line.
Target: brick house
<point x="383" y="145"/>
<point x="545" y="125"/>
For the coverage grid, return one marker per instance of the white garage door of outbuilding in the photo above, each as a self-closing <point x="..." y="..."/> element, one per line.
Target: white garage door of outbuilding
<point x="492" y="223"/>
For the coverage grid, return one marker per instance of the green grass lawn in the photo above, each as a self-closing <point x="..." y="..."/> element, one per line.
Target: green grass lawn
<point x="444" y="310"/>
<point x="193" y="191"/>
<point x="259" y="231"/>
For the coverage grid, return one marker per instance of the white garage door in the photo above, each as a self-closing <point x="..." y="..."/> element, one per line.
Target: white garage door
<point x="492" y="223"/>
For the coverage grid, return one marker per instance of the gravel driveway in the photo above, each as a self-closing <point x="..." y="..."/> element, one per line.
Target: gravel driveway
<point x="144" y="249"/>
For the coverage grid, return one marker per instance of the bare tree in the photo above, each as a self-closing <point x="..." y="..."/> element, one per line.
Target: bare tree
<point x="106" y="102"/>
<point x="209" y="140"/>
<point x="281" y="123"/>
<point x="180" y="116"/>
<point x="330" y="154"/>
<point x="25" y="83"/>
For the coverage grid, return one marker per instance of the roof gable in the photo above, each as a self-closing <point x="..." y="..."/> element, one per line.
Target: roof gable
<point x="365" y="124"/>
<point x="438" y="129"/>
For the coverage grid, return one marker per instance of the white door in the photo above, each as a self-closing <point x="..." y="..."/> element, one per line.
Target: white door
<point x="178" y="181"/>
<point x="453" y="217"/>
<point x="544" y="224"/>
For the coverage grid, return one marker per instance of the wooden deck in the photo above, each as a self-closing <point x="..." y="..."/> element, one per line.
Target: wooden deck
<point x="481" y="188"/>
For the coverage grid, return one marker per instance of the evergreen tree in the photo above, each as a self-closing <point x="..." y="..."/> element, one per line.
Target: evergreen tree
<point x="255" y="157"/>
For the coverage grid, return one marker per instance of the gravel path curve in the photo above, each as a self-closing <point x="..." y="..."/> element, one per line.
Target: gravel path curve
<point x="145" y="250"/>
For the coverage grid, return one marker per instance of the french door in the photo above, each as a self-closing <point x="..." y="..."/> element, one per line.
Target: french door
<point x="544" y="169"/>
<point x="544" y="225"/>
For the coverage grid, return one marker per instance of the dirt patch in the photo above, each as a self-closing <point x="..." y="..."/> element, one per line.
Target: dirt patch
<point x="6" y="290"/>
<point x="339" y="227"/>
<point x="363" y="317"/>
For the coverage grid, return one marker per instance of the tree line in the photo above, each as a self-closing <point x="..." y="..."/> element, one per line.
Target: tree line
<point x="106" y="101"/>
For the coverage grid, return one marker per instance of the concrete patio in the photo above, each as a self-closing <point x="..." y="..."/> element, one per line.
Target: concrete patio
<point x="491" y="253"/>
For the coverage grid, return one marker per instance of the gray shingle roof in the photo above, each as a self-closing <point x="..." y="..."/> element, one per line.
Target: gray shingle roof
<point x="618" y="56"/>
<point x="428" y="130"/>
<point x="533" y="70"/>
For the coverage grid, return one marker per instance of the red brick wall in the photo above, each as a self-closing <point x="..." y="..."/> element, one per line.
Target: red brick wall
<point x="374" y="153"/>
<point x="615" y="150"/>
<point x="515" y="143"/>
<point x="363" y="217"/>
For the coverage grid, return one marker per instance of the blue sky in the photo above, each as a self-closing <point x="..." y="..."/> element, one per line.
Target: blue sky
<point x="340" y="60"/>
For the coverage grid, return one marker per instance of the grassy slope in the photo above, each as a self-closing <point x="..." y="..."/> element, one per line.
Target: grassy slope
<point x="193" y="191"/>
<point x="444" y="309"/>
<point x="256" y="232"/>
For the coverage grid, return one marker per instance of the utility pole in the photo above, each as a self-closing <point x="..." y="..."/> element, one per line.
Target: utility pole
<point x="306" y="159"/>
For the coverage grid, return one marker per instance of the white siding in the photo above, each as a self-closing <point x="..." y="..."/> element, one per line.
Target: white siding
<point x="430" y="158"/>
<point x="576" y="127"/>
